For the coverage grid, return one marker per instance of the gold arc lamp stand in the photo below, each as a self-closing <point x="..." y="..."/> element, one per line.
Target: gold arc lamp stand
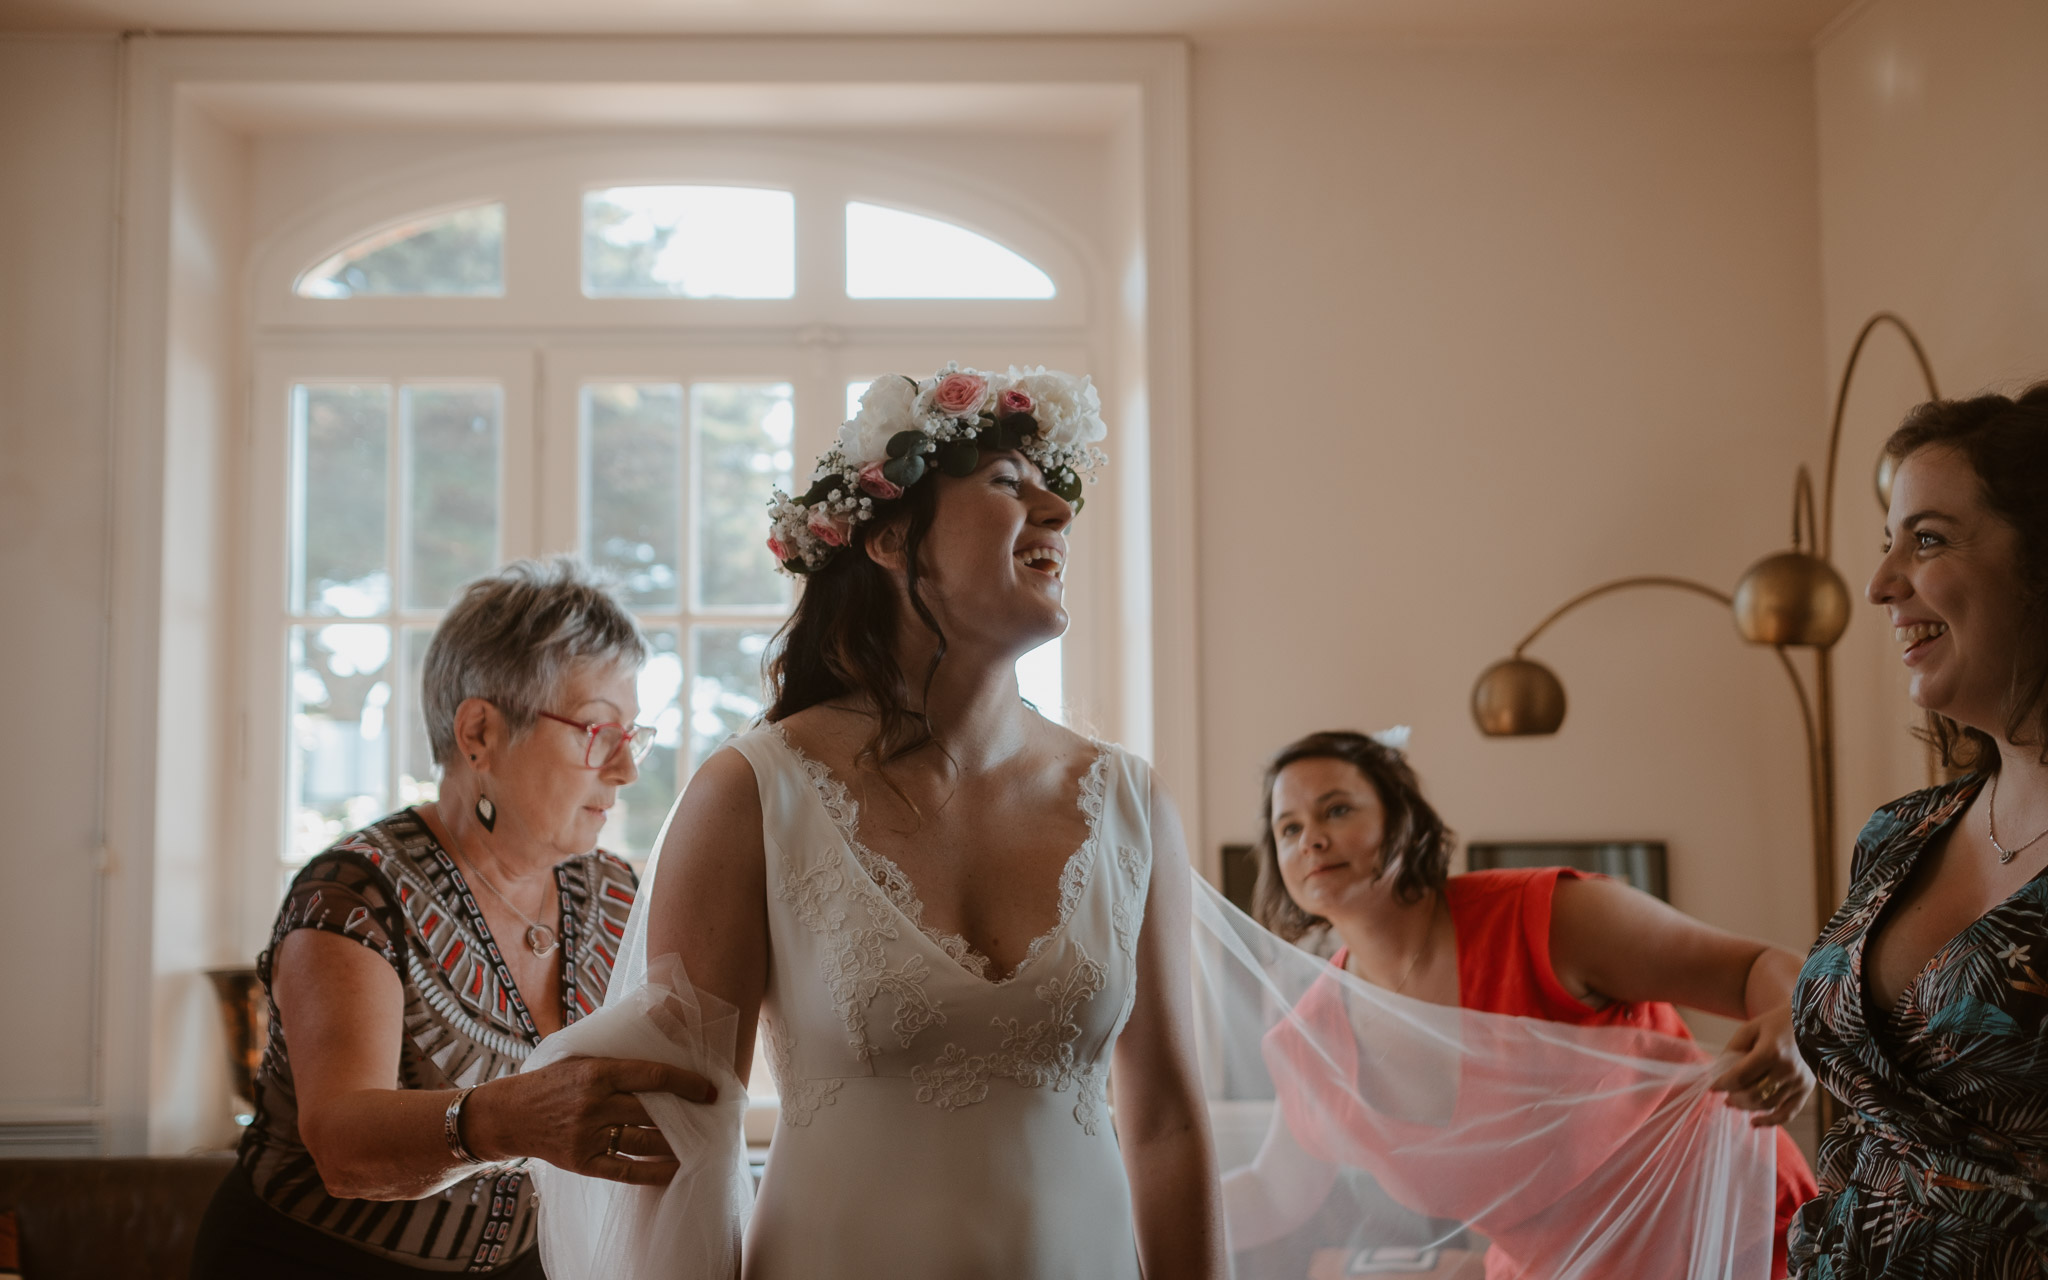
<point x="1792" y="599"/>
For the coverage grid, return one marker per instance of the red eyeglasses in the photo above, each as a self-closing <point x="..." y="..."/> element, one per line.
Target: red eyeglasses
<point x="602" y="741"/>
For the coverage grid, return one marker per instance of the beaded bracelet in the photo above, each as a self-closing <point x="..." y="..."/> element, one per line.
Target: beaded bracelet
<point x="451" y="1126"/>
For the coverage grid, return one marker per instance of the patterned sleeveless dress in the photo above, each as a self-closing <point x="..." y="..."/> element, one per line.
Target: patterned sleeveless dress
<point x="1940" y="1167"/>
<point x="940" y="1121"/>
<point x="392" y="888"/>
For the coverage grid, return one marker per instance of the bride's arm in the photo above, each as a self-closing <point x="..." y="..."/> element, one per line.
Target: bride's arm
<point x="1161" y="1120"/>
<point x="710" y="903"/>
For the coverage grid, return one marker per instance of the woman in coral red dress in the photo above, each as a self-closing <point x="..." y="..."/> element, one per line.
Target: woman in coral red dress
<point x="1556" y="1154"/>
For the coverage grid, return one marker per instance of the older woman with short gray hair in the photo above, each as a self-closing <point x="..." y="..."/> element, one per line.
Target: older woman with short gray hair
<point x="417" y="962"/>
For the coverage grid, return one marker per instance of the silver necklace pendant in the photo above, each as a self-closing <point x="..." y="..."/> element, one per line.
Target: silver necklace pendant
<point x="2005" y="855"/>
<point x="541" y="940"/>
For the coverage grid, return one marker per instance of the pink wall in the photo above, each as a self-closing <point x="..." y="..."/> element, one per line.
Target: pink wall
<point x="1477" y="329"/>
<point x="1934" y="204"/>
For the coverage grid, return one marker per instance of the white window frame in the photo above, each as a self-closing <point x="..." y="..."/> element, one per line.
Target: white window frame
<point x="266" y="813"/>
<point x="1145" y="321"/>
<point x="810" y="340"/>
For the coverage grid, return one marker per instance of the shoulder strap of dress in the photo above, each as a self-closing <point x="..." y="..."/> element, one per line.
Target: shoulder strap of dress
<point x="763" y="746"/>
<point x="1127" y="812"/>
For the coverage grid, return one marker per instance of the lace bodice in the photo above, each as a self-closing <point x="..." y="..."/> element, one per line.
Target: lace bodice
<point x="844" y="811"/>
<point x="921" y="1004"/>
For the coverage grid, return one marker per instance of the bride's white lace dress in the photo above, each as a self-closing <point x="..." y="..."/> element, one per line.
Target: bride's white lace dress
<point x="940" y="1119"/>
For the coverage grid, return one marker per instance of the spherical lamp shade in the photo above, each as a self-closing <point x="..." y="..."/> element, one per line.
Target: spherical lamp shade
<point x="1887" y="467"/>
<point x="1792" y="598"/>
<point x="1517" y="698"/>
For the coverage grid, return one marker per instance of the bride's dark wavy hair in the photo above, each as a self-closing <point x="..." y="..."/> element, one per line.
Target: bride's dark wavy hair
<point x="2005" y="441"/>
<point x="841" y="639"/>
<point x="1415" y="835"/>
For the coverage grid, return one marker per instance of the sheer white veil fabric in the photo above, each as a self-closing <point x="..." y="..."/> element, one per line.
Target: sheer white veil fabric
<point x="1363" y="1133"/>
<point x="691" y="1229"/>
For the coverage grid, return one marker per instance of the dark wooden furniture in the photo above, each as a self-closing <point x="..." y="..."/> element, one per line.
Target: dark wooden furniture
<point x="103" y="1218"/>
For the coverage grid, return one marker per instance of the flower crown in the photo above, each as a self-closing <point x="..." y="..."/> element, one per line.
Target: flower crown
<point x="906" y="429"/>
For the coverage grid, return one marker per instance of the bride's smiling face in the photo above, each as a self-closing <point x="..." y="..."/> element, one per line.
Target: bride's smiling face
<point x="995" y="556"/>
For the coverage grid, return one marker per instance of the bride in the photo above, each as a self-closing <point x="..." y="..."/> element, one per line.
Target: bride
<point x="950" y="915"/>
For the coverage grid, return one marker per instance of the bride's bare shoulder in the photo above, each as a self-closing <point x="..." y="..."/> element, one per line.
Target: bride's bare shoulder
<point x="1077" y="750"/>
<point x="722" y="802"/>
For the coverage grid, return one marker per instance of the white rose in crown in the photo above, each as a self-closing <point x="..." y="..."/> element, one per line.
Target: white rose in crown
<point x="886" y="408"/>
<point x="1068" y="409"/>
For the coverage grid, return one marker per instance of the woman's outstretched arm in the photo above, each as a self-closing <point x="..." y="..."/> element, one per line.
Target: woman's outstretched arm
<point x="1162" y="1122"/>
<point x="1616" y="943"/>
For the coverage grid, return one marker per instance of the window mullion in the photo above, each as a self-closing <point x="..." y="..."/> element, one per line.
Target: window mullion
<point x="398" y="561"/>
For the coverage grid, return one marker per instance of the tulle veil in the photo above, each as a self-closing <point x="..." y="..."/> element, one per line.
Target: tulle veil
<point x="1364" y="1133"/>
<point x="1361" y="1133"/>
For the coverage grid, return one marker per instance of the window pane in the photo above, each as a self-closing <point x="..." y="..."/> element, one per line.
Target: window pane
<point x="458" y="254"/>
<point x="727" y="690"/>
<point x="633" y="461"/>
<point x="854" y="391"/>
<point x="893" y="254"/>
<point x="689" y="242"/>
<point x="641" y="809"/>
<point x="452" y="489"/>
<point x="419" y="782"/>
<point x="744" y="434"/>
<point x="340" y="439"/>
<point x="1038" y="679"/>
<point x="340" y="693"/>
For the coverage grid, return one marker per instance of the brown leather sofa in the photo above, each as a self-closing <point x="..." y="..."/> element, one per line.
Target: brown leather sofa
<point x="115" y="1219"/>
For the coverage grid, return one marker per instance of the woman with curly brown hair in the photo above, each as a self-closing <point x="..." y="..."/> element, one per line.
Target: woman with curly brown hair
<point x="1923" y="1004"/>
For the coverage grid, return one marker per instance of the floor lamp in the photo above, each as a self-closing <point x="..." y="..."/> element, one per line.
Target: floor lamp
<point x="1790" y="600"/>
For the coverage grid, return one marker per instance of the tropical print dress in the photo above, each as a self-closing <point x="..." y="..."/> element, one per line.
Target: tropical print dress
<point x="1940" y="1167"/>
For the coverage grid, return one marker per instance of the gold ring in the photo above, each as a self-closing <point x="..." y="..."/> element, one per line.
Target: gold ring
<point x="1766" y="1090"/>
<point x="611" y="1146"/>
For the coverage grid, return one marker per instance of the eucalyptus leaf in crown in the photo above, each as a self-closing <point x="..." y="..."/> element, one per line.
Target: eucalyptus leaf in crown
<point x="907" y="429"/>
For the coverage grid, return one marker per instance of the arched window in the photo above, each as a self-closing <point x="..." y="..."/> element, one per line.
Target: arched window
<point x="894" y="254"/>
<point x="459" y="253"/>
<point x="616" y="354"/>
<point x="689" y="242"/>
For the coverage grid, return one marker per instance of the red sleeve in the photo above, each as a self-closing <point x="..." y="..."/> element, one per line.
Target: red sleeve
<point x="1503" y="922"/>
<point x="1502" y="919"/>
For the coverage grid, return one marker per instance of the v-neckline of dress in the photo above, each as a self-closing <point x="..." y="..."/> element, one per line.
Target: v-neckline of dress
<point x="466" y="899"/>
<point x="1890" y="1020"/>
<point x="900" y="891"/>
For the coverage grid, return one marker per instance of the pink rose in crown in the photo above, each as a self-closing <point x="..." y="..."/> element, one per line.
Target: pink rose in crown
<point x="876" y="485"/>
<point x="776" y="549"/>
<point x="829" y="531"/>
<point x="1014" y="401"/>
<point x="959" y="395"/>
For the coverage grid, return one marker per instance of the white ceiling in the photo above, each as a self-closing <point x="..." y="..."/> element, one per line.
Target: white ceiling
<point x="1786" y="22"/>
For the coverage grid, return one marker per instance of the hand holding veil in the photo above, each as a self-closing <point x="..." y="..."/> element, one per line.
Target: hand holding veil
<point x="594" y="1229"/>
